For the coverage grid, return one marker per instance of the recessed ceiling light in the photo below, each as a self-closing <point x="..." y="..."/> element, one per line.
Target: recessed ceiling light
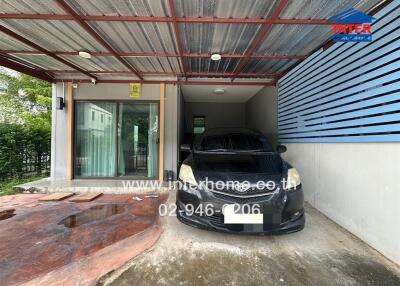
<point x="219" y="91"/>
<point x="216" y="57"/>
<point x="85" y="55"/>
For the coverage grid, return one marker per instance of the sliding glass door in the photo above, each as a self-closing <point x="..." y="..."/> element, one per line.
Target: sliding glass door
<point x="137" y="140"/>
<point x="116" y="139"/>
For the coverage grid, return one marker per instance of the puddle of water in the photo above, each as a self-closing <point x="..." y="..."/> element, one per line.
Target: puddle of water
<point x="7" y="214"/>
<point x="94" y="213"/>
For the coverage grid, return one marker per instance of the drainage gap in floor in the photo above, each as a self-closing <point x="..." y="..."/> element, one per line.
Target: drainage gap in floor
<point x="7" y="214"/>
<point x="94" y="213"/>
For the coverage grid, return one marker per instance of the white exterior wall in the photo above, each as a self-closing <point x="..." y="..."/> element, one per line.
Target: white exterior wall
<point x="356" y="185"/>
<point x="104" y="91"/>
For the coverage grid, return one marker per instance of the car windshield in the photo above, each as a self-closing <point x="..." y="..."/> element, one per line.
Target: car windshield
<point x="234" y="143"/>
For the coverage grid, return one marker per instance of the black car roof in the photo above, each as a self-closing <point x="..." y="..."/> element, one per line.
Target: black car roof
<point x="231" y="130"/>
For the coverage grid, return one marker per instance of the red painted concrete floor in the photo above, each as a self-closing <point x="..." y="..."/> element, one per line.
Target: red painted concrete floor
<point x="39" y="245"/>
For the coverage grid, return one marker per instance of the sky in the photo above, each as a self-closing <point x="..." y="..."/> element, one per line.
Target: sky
<point x="8" y="71"/>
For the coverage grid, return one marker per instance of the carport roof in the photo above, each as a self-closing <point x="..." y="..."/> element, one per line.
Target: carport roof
<point x="147" y="39"/>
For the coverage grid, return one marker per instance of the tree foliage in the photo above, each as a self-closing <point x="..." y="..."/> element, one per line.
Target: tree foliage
<point x="25" y="124"/>
<point x="24" y="98"/>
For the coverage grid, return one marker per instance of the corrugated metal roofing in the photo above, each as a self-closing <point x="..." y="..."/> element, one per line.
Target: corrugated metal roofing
<point x="268" y="65"/>
<point x="302" y="39"/>
<point x="97" y="63"/>
<point x="225" y="65"/>
<point x="184" y="8"/>
<point x="67" y="35"/>
<point x="9" y="43"/>
<point x="54" y="35"/>
<point x="225" y="8"/>
<point x="137" y="37"/>
<point x="30" y="7"/>
<point x="220" y="38"/>
<point x="43" y="61"/>
<point x="155" y="64"/>
<point x="121" y="7"/>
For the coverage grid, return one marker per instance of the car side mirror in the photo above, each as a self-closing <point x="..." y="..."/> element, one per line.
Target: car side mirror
<point x="186" y="148"/>
<point x="281" y="149"/>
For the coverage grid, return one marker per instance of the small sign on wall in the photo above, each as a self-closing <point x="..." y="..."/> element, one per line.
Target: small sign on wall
<point x="135" y="90"/>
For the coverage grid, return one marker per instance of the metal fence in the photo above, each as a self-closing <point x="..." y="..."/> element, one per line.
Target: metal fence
<point x="348" y="92"/>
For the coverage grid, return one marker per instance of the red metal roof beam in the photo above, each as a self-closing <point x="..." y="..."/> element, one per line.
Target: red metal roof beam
<point x="157" y="55"/>
<point x="43" y="50"/>
<point x="193" y="74"/>
<point x="259" y="38"/>
<point x="179" y="82"/>
<point x="94" y="34"/>
<point x="210" y="20"/>
<point x="178" y="36"/>
<point x="259" y="56"/>
<point x="25" y="69"/>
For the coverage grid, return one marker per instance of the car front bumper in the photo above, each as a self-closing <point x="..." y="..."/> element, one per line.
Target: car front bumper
<point x="277" y="219"/>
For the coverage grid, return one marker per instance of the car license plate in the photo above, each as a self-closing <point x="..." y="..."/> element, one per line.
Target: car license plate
<point x="232" y="217"/>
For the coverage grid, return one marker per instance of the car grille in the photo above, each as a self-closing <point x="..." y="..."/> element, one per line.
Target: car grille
<point x="241" y="200"/>
<point x="217" y="220"/>
<point x="251" y="193"/>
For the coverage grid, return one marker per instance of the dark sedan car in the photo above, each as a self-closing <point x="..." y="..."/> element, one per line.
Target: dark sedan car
<point x="234" y="181"/>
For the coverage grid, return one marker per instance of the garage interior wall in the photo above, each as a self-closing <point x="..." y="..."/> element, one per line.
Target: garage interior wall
<point x="108" y="91"/>
<point x="262" y="113"/>
<point x="252" y="108"/>
<point x="217" y="114"/>
<point x="329" y="106"/>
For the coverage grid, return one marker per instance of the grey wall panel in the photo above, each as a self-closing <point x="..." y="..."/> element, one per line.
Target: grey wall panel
<point x="59" y="135"/>
<point x="181" y="122"/>
<point x="115" y="91"/>
<point x="171" y="129"/>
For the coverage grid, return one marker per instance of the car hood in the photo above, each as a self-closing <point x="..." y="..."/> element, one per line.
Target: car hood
<point x="251" y="167"/>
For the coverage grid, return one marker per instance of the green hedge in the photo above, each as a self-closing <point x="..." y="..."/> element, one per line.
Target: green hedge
<point x="24" y="150"/>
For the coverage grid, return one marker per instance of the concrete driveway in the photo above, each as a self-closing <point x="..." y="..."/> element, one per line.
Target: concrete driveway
<point x="322" y="254"/>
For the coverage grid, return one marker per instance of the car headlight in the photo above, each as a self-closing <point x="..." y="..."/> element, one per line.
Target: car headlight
<point x="186" y="175"/>
<point x="293" y="179"/>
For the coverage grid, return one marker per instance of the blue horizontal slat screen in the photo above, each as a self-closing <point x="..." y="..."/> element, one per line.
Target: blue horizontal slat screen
<point x="349" y="92"/>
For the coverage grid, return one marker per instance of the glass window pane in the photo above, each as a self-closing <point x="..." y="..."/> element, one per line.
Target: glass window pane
<point x="199" y="124"/>
<point x="95" y="146"/>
